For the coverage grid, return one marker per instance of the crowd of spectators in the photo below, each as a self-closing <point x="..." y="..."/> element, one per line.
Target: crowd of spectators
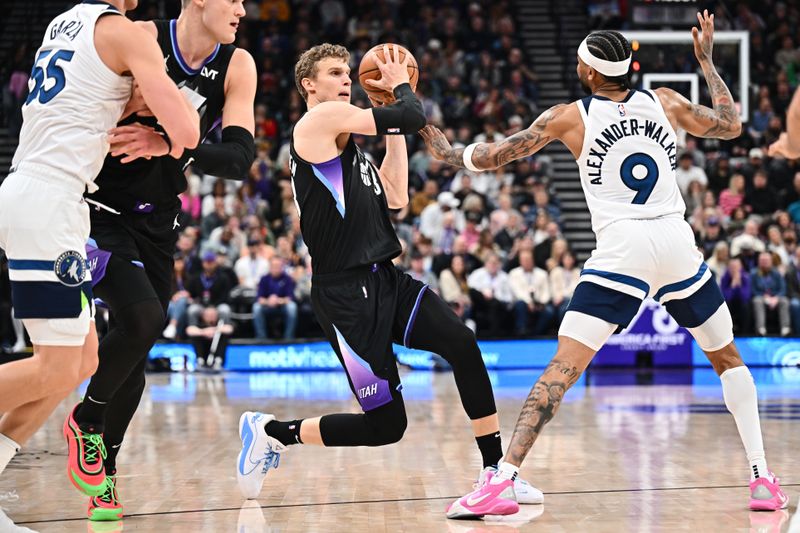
<point x="489" y="243"/>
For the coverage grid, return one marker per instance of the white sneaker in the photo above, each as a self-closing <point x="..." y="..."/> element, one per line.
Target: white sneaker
<point x="169" y="332"/>
<point x="8" y="526"/>
<point x="259" y="453"/>
<point x="526" y="493"/>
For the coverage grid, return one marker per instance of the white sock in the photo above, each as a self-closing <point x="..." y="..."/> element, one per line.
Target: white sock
<point x="8" y="449"/>
<point x="505" y="471"/>
<point x="739" y="391"/>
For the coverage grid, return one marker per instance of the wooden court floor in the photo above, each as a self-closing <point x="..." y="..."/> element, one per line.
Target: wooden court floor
<point x="619" y="457"/>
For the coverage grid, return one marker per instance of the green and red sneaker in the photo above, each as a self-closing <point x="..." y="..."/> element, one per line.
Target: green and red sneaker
<point x="86" y="451"/>
<point x="106" y="507"/>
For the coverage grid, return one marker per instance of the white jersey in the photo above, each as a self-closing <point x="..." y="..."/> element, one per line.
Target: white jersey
<point x="628" y="160"/>
<point x="74" y="99"/>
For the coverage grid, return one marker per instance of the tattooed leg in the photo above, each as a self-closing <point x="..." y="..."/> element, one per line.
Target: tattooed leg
<point x="545" y="397"/>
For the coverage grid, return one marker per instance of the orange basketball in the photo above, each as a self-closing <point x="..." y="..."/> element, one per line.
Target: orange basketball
<point x="368" y="70"/>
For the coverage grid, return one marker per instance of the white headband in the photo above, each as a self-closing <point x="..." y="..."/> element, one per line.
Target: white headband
<point x="607" y="68"/>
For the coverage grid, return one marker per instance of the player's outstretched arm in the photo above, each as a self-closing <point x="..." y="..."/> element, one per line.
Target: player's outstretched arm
<point x="550" y="125"/>
<point x="127" y="48"/>
<point x="723" y="121"/>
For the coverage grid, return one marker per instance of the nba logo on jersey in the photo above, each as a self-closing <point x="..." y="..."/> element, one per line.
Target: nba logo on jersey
<point x="70" y="268"/>
<point x="621" y="109"/>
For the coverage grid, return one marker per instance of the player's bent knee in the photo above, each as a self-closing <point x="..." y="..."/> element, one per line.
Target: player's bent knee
<point x="58" y="367"/>
<point x="89" y="362"/>
<point x="142" y="322"/>
<point x="716" y="332"/>
<point x="393" y="433"/>
<point x="89" y="366"/>
<point x="388" y="423"/>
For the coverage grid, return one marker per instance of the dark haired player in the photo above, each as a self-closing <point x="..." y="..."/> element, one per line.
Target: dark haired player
<point x="362" y="302"/>
<point x="625" y="144"/>
<point x="135" y="213"/>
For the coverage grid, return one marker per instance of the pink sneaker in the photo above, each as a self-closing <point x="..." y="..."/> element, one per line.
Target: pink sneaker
<point x="766" y="494"/>
<point x="488" y="499"/>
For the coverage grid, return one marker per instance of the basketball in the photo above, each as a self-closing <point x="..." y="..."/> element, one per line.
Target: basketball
<point x="368" y="70"/>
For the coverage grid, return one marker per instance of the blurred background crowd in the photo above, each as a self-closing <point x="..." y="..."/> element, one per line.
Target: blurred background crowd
<point x="489" y="243"/>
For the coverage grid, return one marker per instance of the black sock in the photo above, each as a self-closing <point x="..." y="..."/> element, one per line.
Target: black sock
<point x="91" y="415"/>
<point x="110" y="462"/>
<point x="491" y="448"/>
<point x="286" y="432"/>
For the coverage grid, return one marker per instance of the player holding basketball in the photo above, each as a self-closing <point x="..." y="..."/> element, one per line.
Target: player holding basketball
<point x="80" y="84"/>
<point x="362" y="302"/>
<point x="625" y="144"/>
<point x="135" y="216"/>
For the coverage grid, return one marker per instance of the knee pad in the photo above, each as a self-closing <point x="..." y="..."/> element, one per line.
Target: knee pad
<point x="586" y="329"/>
<point x="388" y="424"/>
<point x="716" y="332"/>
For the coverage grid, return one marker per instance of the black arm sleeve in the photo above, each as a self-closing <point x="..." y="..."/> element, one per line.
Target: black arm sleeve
<point x="405" y="116"/>
<point x="230" y="159"/>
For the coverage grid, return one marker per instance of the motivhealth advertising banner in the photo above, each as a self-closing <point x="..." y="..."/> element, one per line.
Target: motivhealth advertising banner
<point x="653" y="338"/>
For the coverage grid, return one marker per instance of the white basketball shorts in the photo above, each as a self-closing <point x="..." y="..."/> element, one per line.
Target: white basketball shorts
<point x="44" y="226"/>
<point x="639" y="258"/>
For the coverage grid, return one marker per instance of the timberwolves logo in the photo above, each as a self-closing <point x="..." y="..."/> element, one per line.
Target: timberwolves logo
<point x="70" y="268"/>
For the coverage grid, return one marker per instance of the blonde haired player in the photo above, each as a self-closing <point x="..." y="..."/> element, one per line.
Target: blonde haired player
<point x="625" y="144"/>
<point x="362" y="302"/>
<point x="79" y="87"/>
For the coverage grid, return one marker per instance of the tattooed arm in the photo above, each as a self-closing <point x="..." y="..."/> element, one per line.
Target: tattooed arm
<point x="540" y="407"/>
<point x="548" y="127"/>
<point x="721" y="122"/>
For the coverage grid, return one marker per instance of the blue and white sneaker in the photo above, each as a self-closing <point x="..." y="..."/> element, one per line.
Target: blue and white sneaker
<point x="259" y="453"/>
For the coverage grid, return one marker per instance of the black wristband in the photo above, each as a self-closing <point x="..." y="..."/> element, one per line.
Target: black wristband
<point x="403" y="117"/>
<point x="402" y="89"/>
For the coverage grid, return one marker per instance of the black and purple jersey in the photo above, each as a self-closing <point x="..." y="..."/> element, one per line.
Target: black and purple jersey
<point x="344" y="215"/>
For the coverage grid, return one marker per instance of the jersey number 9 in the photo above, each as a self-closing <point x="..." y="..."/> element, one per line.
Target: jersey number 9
<point x="41" y="75"/>
<point x="639" y="172"/>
